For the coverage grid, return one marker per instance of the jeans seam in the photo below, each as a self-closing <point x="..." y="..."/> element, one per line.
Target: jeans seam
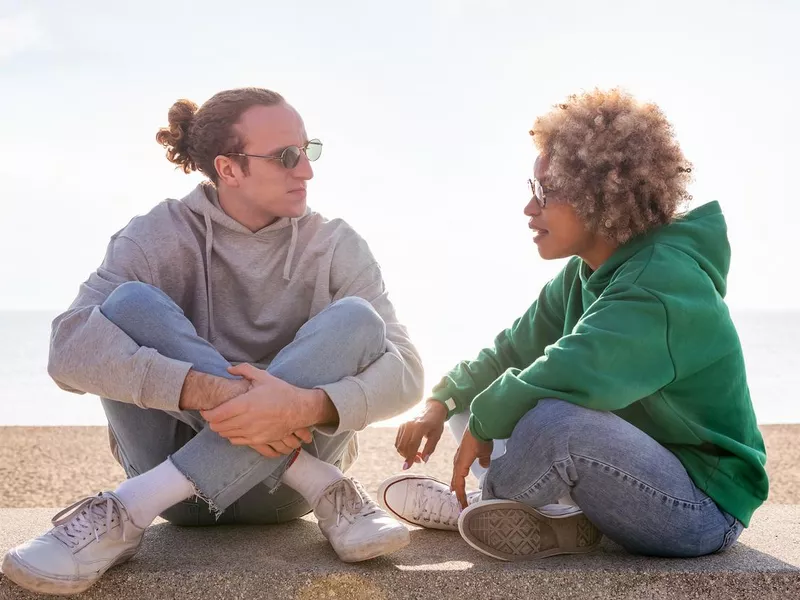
<point x="126" y="463"/>
<point x="538" y="482"/>
<point x="731" y="535"/>
<point x="590" y="459"/>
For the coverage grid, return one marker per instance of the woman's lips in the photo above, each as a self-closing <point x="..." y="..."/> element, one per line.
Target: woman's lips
<point x="538" y="231"/>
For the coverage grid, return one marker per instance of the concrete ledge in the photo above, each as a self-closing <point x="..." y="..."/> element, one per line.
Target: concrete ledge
<point x="294" y="561"/>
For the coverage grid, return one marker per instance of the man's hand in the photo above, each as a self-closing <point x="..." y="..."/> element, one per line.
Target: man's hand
<point x="202" y="391"/>
<point x="273" y="413"/>
<point x="467" y="452"/>
<point x="429" y="425"/>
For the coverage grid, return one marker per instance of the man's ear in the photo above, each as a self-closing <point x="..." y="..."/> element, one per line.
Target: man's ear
<point x="228" y="171"/>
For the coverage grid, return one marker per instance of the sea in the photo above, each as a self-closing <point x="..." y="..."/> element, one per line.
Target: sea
<point x="771" y="342"/>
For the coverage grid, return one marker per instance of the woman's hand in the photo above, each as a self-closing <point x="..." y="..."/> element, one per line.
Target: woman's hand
<point x="469" y="450"/>
<point x="428" y="425"/>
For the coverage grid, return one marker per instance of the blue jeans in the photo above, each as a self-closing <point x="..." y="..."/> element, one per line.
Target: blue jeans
<point x="235" y="481"/>
<point x="632" y="488"/>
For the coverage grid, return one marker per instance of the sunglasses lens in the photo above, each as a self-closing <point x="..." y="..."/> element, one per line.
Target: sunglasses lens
<point x="313" y="149"/>
<point x="290" y="157"/>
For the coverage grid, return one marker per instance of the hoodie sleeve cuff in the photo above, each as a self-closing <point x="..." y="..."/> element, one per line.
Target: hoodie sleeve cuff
<point x="162" y="384"/>
<point x="476" y="430"/>
<point x="447" y="399"/>
<point x="350" y="401"/>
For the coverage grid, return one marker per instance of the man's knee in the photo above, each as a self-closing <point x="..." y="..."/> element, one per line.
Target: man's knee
<point x="360" y="316"/>
<point x="130" y="301"/>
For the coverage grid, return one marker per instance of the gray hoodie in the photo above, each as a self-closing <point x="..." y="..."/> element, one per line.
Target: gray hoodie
<point x="246" y="293"/>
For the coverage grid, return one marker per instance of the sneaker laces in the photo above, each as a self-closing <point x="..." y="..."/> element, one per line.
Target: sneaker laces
<point x="433" y="502"/>
<point x="93" y="514"/>
<point x="350" y="500"/>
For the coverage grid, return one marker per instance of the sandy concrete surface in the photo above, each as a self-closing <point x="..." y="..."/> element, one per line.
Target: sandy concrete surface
<point x="295" y="561"/>
<point x="53" y="466"/>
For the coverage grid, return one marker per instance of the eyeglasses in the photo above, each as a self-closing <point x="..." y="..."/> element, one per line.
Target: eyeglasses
<point x="538" y="192"/>
<point x="290" y="155"/>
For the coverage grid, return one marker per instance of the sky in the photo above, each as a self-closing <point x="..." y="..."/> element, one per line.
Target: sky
<point x="424" y="108"/>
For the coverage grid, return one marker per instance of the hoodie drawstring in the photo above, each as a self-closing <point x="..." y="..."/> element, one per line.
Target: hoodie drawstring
<point x="209" y="296"/>
<point x="287" y="267"/>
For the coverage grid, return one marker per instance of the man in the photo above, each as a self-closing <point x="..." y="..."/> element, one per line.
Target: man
<point x="238" y="272"/>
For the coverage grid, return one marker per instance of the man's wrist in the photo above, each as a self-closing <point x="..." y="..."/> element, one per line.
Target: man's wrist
<point x="320" y="408"/>
<point x="202" y="391"/>
<point x="191" y="388"/>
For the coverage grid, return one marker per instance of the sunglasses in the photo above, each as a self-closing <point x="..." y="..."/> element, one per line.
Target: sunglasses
<point x="290" y="155"/>
<point x="538" y="192"/>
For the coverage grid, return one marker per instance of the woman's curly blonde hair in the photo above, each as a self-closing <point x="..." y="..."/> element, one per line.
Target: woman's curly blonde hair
<point x="615" y="160"/>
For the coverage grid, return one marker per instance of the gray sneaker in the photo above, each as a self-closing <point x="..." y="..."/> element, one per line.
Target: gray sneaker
<point x="87" y="539"/>
<point x="510" y="530"/>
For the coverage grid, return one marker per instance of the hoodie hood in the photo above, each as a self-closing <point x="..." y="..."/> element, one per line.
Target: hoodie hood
<point x="204" y="201"/>
<point x="701" y="234"/>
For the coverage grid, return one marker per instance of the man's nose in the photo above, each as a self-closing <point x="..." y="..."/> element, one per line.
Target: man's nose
<point x="302" y="170"/>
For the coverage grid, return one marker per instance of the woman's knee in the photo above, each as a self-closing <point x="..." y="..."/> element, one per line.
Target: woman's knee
<point x="549" y="417"/>
<point x="547" y="429"/>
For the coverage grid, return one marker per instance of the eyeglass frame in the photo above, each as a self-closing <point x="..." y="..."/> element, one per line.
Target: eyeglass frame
<point x="539" y="192"/>
<point x="281" y="157"/>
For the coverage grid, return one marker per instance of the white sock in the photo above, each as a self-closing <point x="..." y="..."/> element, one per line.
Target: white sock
<point x="310" y="476"/>
<point x="473" y="497"/>
<point x="149" y="494"/>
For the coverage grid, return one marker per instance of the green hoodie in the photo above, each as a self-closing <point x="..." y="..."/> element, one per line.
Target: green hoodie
<point x="648" y="337"/>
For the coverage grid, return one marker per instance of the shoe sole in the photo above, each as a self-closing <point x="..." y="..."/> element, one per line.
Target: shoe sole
<point x="375" y="548"/>
<point x="510" y="531"/>
<point x="384" y="487"/>
<point x="16" y="570"/>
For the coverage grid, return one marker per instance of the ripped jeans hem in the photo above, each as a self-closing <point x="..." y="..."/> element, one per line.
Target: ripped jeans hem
<point x="219" y="502"/>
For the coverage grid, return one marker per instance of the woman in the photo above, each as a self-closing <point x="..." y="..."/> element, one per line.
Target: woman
<point x="623" y="385"/>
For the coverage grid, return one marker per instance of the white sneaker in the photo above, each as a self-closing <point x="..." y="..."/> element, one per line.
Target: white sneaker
<point x="354" y="525"/>
<point x="423" y="501"/>
<point x="87" y="539"/>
